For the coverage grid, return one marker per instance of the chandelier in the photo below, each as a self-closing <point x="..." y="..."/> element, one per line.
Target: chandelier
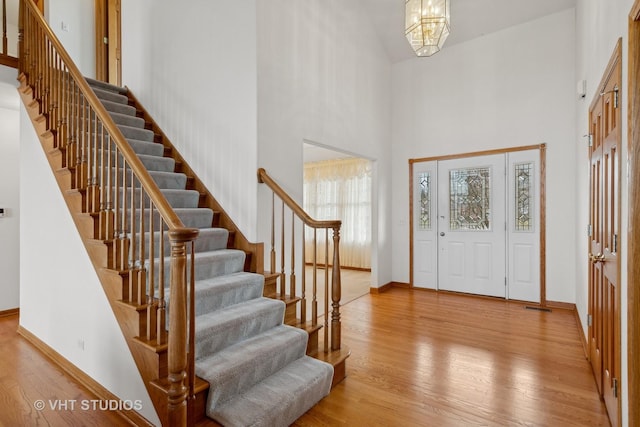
<point x="426" y="25"/>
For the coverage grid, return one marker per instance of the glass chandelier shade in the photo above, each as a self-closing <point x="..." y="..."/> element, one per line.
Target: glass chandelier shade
<point x="426" y="25"/>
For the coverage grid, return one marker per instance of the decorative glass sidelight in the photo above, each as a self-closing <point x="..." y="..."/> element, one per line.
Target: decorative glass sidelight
<point x="424" y="181"/>
<point x="524" y="196"/>
<point x="469" y="199"/>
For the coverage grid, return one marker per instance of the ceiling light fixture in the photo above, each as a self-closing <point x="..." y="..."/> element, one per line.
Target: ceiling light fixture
<point x="426" y="25"/>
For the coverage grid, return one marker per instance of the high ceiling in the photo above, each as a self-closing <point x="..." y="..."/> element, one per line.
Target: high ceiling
<point x="469" y="19"/>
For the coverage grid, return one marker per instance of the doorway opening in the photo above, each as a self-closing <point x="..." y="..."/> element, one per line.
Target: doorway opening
<point x="338" y="185"/>
<point x="477" y="223"/>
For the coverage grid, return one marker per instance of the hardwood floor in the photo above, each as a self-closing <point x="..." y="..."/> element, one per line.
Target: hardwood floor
<point x="28" y="379"/>
<point x="418" y="358"/>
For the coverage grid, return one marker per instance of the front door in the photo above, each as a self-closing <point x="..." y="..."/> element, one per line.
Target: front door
<point x="604" y="246"/>
<point x="472" y="225"/>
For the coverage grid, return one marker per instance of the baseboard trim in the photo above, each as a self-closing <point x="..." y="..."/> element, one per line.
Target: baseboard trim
<point x="10" y="312"/>
<point x="561" y="305"/>
<point x="78" y="375"/>
<point x="583" y="337"/>
<point x="386" y="287"/>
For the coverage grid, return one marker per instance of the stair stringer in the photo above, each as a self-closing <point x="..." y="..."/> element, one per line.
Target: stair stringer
<point x="144" y="365"/>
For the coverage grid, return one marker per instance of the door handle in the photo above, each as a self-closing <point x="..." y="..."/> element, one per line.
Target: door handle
<point x="596" y="258"/>
<point x="442" y="233"/>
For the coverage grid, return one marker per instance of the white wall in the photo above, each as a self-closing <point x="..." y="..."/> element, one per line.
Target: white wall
<point x="599" y="24"/>
<point x="511" y="88"/>
<point x="9" y="197"/>
<point x="323" y="78"/>
<point x="61" y="299"/>
<point x="79" y="39"/>
<point x="208" y="107"/>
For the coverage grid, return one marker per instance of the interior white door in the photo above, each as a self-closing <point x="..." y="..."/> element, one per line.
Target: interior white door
<point x="425" y="225"/>
<point x="523" y="229"/>
<point x="472" y="225"/>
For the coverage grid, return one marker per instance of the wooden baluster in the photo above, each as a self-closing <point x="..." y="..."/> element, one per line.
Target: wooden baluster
<point x="192" y="336"/>
<point x="336" y="293"/>
<point x="326" y="288"/>
<point x="283" y="275"/>
<point x="140" y="269"/>
<point x="4" y="27"/>
<point x="314" y="299"/>
<point x="177" y="365"/>
<point x="273" y="238"/>
<point x="152" y="312"/>
<point x="22" y="52"/>
<point x="303" y="285"/>
<point x="162" y="305"/>
<point x="292" y="279"/>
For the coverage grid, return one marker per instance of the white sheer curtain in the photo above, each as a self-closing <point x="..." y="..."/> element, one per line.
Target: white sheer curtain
<point x="340" y="189"/>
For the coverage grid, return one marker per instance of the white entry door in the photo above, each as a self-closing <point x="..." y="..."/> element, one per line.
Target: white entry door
<point x="472" y="225"/>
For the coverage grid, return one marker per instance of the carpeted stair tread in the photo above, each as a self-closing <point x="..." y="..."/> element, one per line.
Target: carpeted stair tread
<point x="127" y="120"/>
<point x="107" y="95"/>
<point x="280" y="399"/>
<point x="151" y="162"/>
<point x="118" y="107"/>
<point x="218" y="292"/>
<point x="209" y="239"/>
<point x="190" y="217"/>
<point x="156" y="163"/>
<point x="210" y="264"/>
<point x="146" y="147"/>
<point x="130" y="132"/>
<point x="176" y="198"/>
<point x="168" y="180"/>
<point x="222" y="328"/>
<point x="106" y="86"/>
<point x="239" y="367"/>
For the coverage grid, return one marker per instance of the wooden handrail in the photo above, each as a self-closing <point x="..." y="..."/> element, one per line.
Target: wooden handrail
<point x="264" y="178"/>
<point x="124" y="200"/>
<point x="336" y="285"/>
<point x="165" y="209"/>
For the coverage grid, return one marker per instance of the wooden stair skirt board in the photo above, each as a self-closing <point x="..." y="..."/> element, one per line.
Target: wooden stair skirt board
<point x="248" y="339"/>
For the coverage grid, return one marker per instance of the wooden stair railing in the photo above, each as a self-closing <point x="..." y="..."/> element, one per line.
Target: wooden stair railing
<point x="332" y="334"/>
<point x="131" y="216"/>
<point x="5" y="57"/>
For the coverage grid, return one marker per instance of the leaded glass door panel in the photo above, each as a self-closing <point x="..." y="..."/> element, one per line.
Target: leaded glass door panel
<point x="471" y="225"/>
<point x="425" y="225"/>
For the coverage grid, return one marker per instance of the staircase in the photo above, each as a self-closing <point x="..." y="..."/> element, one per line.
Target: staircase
<point x="257" y="366"/>
<point x="208" y="333"/>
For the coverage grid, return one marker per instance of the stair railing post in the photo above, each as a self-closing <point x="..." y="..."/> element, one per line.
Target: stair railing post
<point x="336" y="292"/>
<point x="178" y="387"/>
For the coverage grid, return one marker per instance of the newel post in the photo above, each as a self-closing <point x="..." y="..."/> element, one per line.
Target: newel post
<point x="178" y="390"/>
<point x="336" y="292"/>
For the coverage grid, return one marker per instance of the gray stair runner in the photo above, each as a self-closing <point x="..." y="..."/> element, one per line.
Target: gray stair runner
<point x="258" y="372"/>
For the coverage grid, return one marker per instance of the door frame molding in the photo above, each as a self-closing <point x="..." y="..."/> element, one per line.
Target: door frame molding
<point x="633" y="231"/>
<point x="543" y="208"/>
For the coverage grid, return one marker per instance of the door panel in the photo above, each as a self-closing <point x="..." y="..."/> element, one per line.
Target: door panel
<point x="523" y="225"/>
<point x="604" y="265"/>
<point x="471" y="225"/>
<point x="425" y="251"/>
